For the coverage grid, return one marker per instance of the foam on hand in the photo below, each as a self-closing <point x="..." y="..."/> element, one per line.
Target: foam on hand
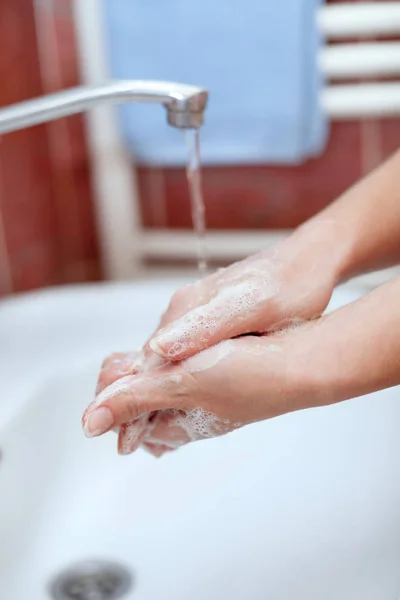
<point x="239" y="299"/>
<point x="198" y="424"/>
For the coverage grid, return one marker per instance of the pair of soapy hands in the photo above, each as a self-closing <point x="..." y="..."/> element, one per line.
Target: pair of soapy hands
<point x="223" y="356"/>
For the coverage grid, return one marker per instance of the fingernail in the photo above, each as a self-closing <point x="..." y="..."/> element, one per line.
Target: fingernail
<point x="124" y="451"/>
<point x="155" y="346"/>
<point x="98" y="422"/>
<point x="175" y="348"/>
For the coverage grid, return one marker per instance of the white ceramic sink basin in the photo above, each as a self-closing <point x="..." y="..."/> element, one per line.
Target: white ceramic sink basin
<point x="306" y="506"/>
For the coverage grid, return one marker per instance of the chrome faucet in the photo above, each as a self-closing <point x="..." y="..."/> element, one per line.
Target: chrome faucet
<point x="185" y="104"/>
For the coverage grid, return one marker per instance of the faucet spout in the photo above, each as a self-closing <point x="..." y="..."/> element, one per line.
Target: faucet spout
<point x="185" y="104"/>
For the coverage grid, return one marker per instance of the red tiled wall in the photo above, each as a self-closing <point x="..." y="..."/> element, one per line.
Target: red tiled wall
<point x="45" y="195"/>
<point x="25" y="166"/>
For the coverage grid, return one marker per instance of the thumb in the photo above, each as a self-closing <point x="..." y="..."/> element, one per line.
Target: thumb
<point x="233" y="312"/>
<point x="133" y="396"/>
<point x="117" y="365"/>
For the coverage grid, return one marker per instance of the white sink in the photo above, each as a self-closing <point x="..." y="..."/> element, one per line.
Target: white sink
<point x="306" y="506"/>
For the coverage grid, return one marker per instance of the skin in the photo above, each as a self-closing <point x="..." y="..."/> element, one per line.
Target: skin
<point x="351" y="352"/>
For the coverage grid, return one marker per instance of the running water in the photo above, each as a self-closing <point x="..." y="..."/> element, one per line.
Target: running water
<point x="193" y="174"/>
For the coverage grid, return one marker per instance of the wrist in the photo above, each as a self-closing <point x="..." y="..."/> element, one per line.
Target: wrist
<point x="327" y="243"/>
<point x="350" y="352"/>
<point x="312" y="368"/>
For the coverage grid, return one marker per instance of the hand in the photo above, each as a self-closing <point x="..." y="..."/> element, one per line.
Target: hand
<point x="292" y="280"/>
<point x="351" y="352"/>
<point x="232" y="384"/>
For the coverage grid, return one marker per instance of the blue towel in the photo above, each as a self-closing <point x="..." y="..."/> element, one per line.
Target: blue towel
<point x="257" y="58"/>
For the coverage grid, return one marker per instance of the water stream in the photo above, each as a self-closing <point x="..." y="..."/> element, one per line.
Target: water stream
<point x="193" y="174"/>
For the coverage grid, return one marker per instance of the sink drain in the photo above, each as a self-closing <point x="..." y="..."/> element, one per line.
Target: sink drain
<point x="91" y="580"/>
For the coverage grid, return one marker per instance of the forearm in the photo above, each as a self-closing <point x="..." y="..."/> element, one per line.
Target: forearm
<point x="362" y="227"/>
<point x="354" y="350"/>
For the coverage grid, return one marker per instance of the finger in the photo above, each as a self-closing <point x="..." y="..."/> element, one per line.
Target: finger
<point x="132" y="434"/>
<point x="114" y="367"/>
<point x="168" y="430"/>
<point x="154" y="446"/>
<point x="156" y="450"/>
<point x="235" y="311"/>
<point x="121" y="364"/>
<point x="135" y="395"/>
<point x="118" y="365"/>
<point x="185" y="299"/>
